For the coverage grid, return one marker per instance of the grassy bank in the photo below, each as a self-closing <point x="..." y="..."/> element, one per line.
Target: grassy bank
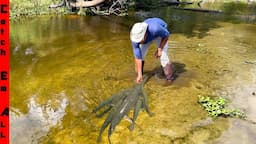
<point x="32" y="7"/>
<point x="38" y="7"/>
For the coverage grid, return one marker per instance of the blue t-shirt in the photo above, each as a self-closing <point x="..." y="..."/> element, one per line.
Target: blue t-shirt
<point x="156" y="28"/>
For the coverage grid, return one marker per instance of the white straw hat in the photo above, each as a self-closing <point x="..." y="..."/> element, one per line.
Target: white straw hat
<point x="138" y="32"/>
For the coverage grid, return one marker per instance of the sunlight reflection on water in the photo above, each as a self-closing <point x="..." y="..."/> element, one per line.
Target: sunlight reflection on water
<point x="27" y="128"/>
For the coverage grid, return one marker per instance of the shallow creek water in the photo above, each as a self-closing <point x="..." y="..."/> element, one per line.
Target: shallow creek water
<point x="64" y="66"/>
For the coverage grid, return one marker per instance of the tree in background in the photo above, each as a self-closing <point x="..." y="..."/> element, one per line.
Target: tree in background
<point x="98" y="7"/>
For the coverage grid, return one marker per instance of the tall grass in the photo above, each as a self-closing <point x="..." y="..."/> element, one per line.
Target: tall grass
<point x="38" y="7"/>
<point x="32" y="7"/>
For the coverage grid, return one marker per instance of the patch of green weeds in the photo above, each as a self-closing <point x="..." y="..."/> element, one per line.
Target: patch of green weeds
<point x="216" y="107"/>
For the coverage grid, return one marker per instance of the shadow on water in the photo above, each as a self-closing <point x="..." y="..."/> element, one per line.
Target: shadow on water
<point x="179" y="67"/>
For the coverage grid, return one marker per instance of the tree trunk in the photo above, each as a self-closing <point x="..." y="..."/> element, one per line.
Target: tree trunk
<point x="82" y="3"/>
<point x="99" y="7"/>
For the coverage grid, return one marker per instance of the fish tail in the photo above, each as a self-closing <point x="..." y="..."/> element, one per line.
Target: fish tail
<point x="99" y="139"/>
<point x="110" y="130"/>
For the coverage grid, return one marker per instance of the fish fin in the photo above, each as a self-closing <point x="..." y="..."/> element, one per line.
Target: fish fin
<point x="104" y="112"/>
<point x="107" y="102"/>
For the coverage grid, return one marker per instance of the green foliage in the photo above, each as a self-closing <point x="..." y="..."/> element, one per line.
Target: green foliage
<point x="239" y="8"/>
<point x="38" y="7"/>
<point x="32" y="7"/>
<point x="216" y="107"/>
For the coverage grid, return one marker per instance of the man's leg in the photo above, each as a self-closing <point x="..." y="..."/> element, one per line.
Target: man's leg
<point x="142" y="66"/>
<point x="168" y="71"/>
<point x="165" y="61"/>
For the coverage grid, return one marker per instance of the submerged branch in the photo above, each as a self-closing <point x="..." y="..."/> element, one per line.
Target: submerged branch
<point x="200" y="10"/>
<point x="176" y="2"/>
<point x="60" y="4"/>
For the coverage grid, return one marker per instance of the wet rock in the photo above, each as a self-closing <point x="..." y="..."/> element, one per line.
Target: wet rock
<point x="16" y="49"/>
<point x="167" y="132"/>
<point x="29" y="51"/>
<point x="240" y="132"/>
<point x="202" y="123"/>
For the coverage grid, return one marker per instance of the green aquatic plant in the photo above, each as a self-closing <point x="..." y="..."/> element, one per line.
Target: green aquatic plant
<point x="216" y="107"/>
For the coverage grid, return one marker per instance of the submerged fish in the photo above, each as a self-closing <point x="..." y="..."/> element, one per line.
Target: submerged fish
<point x="120" y="104"/>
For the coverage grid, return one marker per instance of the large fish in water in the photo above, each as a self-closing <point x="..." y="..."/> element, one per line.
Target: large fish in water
<point x="120" y="104"/>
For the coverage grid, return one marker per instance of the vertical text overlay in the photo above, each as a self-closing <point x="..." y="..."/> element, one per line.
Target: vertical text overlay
<point x="4" y="71"/>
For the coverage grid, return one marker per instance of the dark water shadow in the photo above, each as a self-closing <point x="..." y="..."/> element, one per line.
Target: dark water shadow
<point x="195" y="24"/>
<point x="179" y="68"/>
<point x="190" y="24"/>
<point x="159" y="75"/>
